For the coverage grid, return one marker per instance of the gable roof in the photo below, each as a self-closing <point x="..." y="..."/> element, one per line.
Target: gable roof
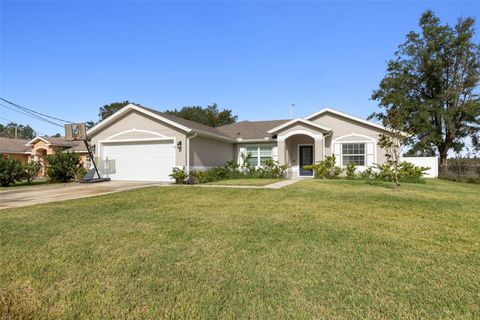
<point x="78" y="146"/>
<point x="8" y="145"/>
<point x="346" y="115"/>
<point x="195" y="126"/>
<point x="244" y="130"/>
<point x="250" y="129"/>
<point x="299" y="120"/>
<point x="177" y="122"/>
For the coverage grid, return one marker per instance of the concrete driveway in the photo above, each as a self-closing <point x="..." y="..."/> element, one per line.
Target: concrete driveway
<point x="20" y="197"/>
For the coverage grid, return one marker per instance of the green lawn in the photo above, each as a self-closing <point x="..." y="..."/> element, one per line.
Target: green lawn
<point x="315" y="249"/>
<point x="246" y="182"/>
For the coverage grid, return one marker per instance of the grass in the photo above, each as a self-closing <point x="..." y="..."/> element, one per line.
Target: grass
<point x="246" y="182"/>
<point x="315" y="249"/>
<point x="24" y="184"/>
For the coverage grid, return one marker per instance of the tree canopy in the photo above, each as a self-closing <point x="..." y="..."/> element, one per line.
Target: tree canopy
<point x="431" y="87"/>
<point x="23" y="131"/>
<point x="210" y="116"/>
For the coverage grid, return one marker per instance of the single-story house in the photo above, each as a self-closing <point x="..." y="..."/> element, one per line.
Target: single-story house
<point x="14" y="148"/>
<point x="139" y="143"/>
<point x="39" y="147"/>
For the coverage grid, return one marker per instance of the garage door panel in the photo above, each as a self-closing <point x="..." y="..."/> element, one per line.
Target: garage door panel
<point x="142" y="161"/>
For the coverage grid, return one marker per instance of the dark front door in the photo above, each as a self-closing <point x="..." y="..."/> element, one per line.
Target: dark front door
<point x="306" y="157"/>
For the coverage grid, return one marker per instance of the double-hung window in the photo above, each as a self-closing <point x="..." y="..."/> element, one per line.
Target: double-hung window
<point x="257" y="155"/>
<point x="353" y="153"/>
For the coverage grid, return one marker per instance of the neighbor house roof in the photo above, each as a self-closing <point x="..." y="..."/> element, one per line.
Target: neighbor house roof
<point x="8" y="145"/>
<point x="78" y="146"/>
<point x="250" y="129"/>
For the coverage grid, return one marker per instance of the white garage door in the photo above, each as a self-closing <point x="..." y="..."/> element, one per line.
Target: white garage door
<point x="141" y="161"/>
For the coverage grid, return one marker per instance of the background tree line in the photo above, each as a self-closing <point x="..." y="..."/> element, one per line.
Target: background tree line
<point x="210" y="115"/>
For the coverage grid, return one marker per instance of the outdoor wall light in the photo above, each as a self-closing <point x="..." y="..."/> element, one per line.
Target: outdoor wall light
<point x="179" y="145"/>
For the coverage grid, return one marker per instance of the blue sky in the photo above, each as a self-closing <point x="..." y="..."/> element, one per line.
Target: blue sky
<point x="67" y="59"/>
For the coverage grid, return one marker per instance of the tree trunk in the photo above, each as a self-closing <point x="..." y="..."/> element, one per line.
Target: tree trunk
<point x="443" y="160"/>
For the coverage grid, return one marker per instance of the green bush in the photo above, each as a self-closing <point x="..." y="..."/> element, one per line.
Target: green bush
<point x="367" y="174"/>
<point x="198" y="176"/>
<point x="210" y="175"/>
<point x="411" y="171"/>
<point x="350" y="170"/>
<point x="11" y="170"/>
<point x="63" y="166"/>
<point x="31" y="170"/>
<point x="231" y="170"/>
<point x="179" y="175"/>
<point x="325" y="169"/>
<point x="407" y="172"/>
<point x="272" y="169"/>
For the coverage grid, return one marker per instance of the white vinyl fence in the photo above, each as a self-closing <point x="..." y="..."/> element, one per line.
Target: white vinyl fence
<point x="431" y="162"/>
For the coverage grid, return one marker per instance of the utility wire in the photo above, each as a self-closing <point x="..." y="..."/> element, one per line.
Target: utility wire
<point x="29" y="114"/>
<point x="36" y="112"/>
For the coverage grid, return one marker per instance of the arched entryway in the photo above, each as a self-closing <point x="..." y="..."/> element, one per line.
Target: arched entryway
<point x="41" y="155"/>
<point x="300" y="151"/>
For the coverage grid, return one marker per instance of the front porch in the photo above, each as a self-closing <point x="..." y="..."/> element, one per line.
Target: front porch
<point x="300" y="142"/>
<point x="298" y="150"/>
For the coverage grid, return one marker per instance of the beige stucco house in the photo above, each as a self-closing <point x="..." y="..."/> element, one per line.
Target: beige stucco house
<point x="139" y="143"/>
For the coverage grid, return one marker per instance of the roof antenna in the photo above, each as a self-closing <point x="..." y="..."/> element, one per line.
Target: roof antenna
<point x="291" y="110"/>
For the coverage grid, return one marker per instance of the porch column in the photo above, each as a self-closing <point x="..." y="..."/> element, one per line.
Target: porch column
<point x="281" y="151"/>
<point x="318" y="156"/>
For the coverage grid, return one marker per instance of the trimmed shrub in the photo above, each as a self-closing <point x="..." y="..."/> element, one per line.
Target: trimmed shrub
<point x="63" y="166"/>
<point x="350" y="170"/>
<point x="31" y="170"/>
<point x="11" y="170"/>
<point x="272" y="169"/>
<point x="231" y="170"/>
<point x="179" y="175"/>
<point x="325" y="169"/>
<point x="407" y="172"/>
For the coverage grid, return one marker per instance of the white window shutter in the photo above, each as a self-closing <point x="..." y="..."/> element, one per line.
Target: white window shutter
<point x="370" y="154"/>
<point x="275" y="153"/>
<point x="337" y="151"/>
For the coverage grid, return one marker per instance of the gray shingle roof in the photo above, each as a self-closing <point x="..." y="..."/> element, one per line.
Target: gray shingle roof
<point x="188" y="123"/>
<point x="244" y="129"/>
<point x="251" y="129"/>
<point x="8" y="145"/>
<point x="78" y="146"/>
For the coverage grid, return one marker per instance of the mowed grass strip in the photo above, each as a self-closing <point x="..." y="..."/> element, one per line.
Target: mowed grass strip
<point x="315" y="249"/>
<point x="245" y="182"/>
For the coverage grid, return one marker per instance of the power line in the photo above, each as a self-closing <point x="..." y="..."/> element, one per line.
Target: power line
<point x="36" y="112"/>
<point x="28" y="114"/>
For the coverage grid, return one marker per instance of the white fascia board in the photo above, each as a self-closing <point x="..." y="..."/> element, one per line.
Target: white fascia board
<point x="29" y="143"/>
<point x="348" y="116"/>
<point x="266" y="139"/>
<point x="304" y="121"/>
<point x="139" y="109"/>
